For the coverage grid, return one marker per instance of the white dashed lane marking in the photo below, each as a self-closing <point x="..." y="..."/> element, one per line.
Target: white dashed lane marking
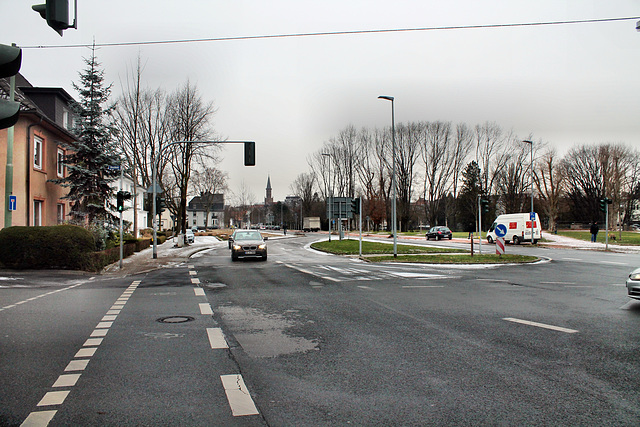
<point x="79" y="364"/>
<point x="541" y="325"/>
<point x="238" y="396"/>
<point x="216" y="338"/>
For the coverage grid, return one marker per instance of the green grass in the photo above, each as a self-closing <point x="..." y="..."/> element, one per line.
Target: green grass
<point x="628" y="237"/>
<point x="456" y="259"/>
<point x="350" y="247"/>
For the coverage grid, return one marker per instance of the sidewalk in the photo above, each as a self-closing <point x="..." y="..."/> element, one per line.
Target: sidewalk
<point x="169" y="255"/>
<point x="569" y="242"/>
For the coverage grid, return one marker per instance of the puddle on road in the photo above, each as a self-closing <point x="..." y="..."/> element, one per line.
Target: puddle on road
<point x="263" y="335"/>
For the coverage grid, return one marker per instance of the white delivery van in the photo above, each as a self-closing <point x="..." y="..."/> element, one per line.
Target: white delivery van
<point x="518" y="227"/>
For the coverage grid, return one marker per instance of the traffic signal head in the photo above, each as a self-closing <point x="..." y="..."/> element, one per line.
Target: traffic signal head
<point x="10" y="61"/>
<point x="56" y="12"/>
<point x="161" y="204"/>
<point x="603" y="204"/>
<point x="120" y="201"/>
<point x="485" y="205"/>
<point x="355" y="205"/>
<point x="249" y="153"/>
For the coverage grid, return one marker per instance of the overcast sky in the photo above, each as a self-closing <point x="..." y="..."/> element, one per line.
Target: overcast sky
<point x="563" y="84"/>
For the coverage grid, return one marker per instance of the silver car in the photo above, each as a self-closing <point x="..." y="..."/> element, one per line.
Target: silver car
<point x="248" y="244"/>
<point x="633" y="284"/>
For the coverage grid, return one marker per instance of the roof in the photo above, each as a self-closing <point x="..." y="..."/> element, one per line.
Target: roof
<point x="207" y="202"/>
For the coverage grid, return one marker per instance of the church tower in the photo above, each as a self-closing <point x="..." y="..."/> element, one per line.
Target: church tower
<point x="268" y="200"/>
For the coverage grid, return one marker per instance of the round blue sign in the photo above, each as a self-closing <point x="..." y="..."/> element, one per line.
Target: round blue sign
<point x="501" y="230"/>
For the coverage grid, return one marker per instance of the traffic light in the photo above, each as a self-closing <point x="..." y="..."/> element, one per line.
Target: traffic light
<point x="485" y="205"/>
<point x="249" y="153"/>
<point x="56" y="12"/>
<point x="10" y="61"/>
<point x="120" y="201"/>
<point x="161" y="204"/>
<point x="355" y="206"/>
<point x="604" y="202"/>
<point x="121" y="196"/>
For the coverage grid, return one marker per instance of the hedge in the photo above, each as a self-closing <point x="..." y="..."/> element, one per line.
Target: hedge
<point x="65" y="247"/>
<point x="59" y="247"/>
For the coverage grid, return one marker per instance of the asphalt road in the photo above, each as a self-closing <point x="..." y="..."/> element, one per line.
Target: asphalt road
<point x="312" y="339"/>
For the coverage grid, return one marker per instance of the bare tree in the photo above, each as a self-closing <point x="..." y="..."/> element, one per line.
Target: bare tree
<point x="512" y="181"/>
<point x="303" y="186"/>
<point x="492" y="153"/>
<point x="549" y="179"/>
<point x="190" y="120"/>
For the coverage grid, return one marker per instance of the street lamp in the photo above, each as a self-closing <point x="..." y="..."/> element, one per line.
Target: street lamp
<point x="393" y="174"/>
<point x="531" y="217"/>
<point x="331" y="191"/>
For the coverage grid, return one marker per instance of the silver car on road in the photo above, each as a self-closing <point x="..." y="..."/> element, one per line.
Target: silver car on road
<point x="633" y="284"/>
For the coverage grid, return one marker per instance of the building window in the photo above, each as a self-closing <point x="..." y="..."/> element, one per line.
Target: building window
<point x="60" y="209"/>
<point x="37" y="213"/>
<point x="37" y="152"/>
<point x="60" y="166"/>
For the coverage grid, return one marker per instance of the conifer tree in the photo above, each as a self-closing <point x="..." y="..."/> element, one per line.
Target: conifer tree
<point x="89" y="158"/>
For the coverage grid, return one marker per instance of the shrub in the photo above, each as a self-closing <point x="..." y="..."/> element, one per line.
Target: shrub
<point x="60" y="246"/>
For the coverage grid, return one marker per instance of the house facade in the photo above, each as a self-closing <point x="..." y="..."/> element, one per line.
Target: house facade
<point x="206" y="211"/>
<point x="44" y="126"/>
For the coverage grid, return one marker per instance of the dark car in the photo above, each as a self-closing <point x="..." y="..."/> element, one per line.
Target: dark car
<point x="248" y="244"/>
<point x="438" y="233"/>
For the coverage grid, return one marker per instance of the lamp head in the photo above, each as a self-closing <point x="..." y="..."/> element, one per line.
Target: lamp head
<point x="388" y="98"/>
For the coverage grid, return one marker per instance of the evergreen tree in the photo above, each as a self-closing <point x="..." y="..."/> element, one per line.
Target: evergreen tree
<point x="89" y="158"/>
<point x="468" y="198"/>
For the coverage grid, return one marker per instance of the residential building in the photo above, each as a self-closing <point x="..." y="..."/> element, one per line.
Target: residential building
<point x="44" y="126"/>
<point x="206" y="211"/>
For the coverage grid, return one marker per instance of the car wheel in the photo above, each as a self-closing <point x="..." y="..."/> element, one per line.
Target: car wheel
<point x="489" y="239"/>
<point x="516" y="240"/>
<point x="437" y="237"/>
<point x="450" y="236"/>
<point x="234" y="258"/>
<point x="264" y="258"/>
<point x="535" y="241"/>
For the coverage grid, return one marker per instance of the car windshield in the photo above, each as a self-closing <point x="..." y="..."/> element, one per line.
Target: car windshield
<point x="248" y="235"/>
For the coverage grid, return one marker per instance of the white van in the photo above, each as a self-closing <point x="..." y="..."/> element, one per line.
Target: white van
<point x="518" y="227"/>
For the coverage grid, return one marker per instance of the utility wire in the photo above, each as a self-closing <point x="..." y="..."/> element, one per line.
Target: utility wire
<point x="336" y="33"/>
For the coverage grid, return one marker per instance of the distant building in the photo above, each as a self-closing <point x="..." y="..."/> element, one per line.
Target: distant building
<point x="127" y="214"/>
<point x="292" y="200"/>
<point x="206" y="211"/>
<point x="268" y="200"/>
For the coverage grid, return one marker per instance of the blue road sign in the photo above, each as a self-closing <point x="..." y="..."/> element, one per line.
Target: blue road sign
<point x="13" y="202"/>
<point x="501" y="230"/>
<point x="532" y="216"/>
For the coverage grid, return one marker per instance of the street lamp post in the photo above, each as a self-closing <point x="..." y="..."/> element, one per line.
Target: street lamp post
<point x="531" y="217"/>
<point x="393" y="174"/>
<point x="331" y="192"/>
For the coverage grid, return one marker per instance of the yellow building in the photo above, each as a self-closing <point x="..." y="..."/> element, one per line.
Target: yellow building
<point x="38" y="152"/>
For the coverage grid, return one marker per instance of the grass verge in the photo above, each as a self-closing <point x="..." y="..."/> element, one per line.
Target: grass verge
<point x="455" y="259"/>
<point x="351" y="247"/>
<point x="628" y="237"/>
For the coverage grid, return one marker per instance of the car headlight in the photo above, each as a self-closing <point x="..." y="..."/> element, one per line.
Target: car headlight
<point x="634" y="276"/>
<point x="236" y="247"/>
<point x="262" y="246"/>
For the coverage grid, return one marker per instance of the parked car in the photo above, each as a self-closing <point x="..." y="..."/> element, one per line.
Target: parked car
<point x="248" y="244"/>
<point x="189" y="236"/>
<point x="439" y="232"/>
<point x="633" y="284"/>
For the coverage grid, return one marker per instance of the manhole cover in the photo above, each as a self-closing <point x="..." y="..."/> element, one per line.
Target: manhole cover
<point x="175" y="319"/>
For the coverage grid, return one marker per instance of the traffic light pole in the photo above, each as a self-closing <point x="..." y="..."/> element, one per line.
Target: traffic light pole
<point x="8" y="186"/>
<point x="606" y="226"/>
<point x="121" y="242"/>
<point x="479" y="225"/>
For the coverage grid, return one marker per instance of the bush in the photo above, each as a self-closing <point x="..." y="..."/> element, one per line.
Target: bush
<point x="101" y="259"/>
<point x="60" y="246"/>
